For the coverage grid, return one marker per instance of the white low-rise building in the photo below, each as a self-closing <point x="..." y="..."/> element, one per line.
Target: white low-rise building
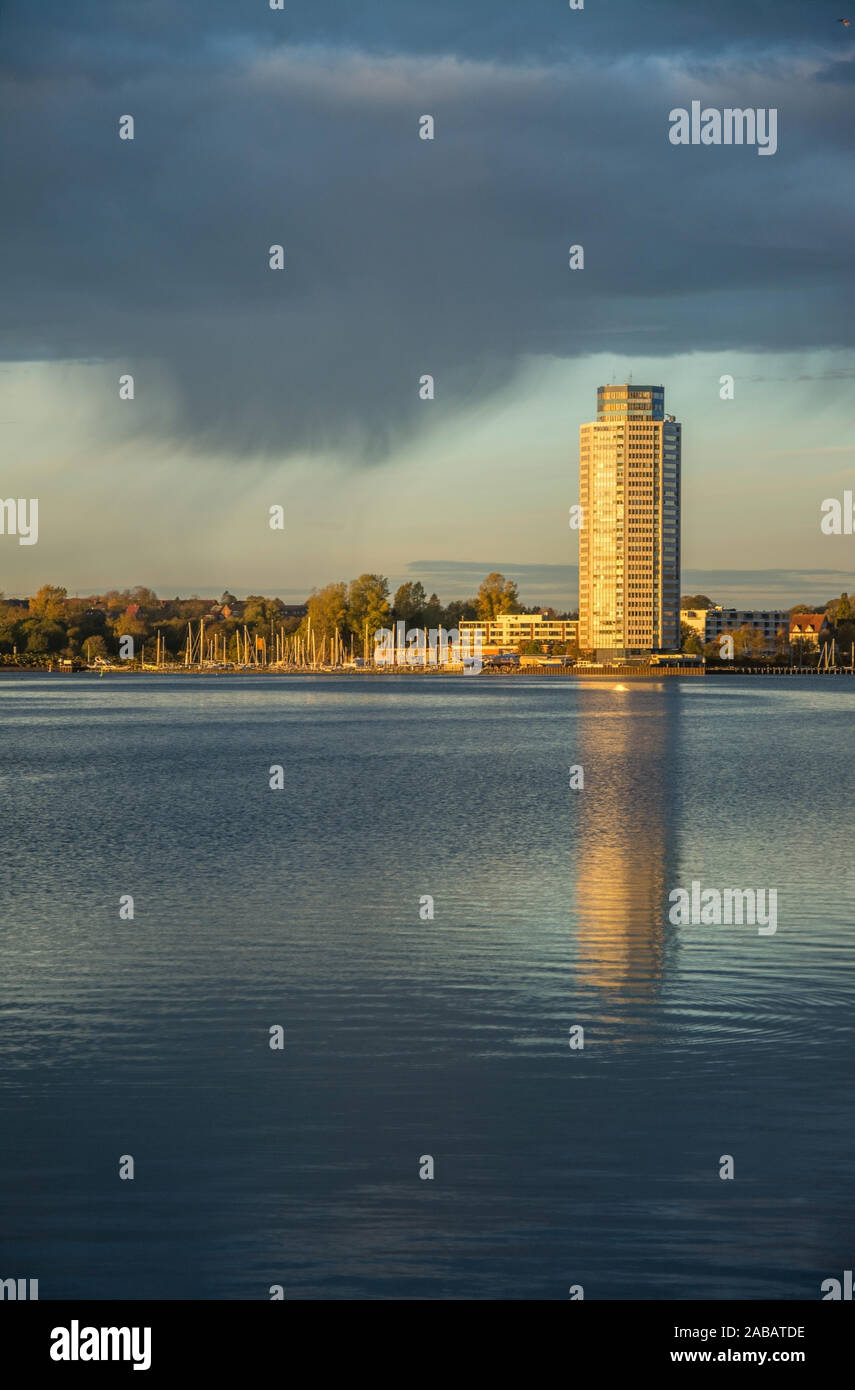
<point x="508" y="630"/>
<point x="711" y="623"/>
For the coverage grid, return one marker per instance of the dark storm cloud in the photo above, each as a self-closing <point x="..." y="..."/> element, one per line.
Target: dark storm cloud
<point x="403" y="257"/>
<point x="125" y="29"/>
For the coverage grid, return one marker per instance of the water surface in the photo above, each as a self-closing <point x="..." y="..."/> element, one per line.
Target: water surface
<point x="406" y="1037"/>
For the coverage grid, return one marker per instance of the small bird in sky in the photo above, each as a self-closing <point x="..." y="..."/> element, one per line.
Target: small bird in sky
<point x="845" y="22"/>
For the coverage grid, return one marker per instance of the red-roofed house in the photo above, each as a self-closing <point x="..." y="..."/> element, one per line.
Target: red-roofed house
<point x="808" y="628"/>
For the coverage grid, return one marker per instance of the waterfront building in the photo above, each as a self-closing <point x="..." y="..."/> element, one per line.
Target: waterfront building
<point x="809" y="628"/>
<point x="712" y="623"/>
<point x="505" y="632"/>
<point x="629" y="541"/>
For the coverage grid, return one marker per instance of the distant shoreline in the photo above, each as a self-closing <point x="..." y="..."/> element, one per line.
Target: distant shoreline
<point x="611" y="674"/>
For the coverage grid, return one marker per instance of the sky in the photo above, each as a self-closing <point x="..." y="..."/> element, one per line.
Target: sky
<point x="404" y="257"/>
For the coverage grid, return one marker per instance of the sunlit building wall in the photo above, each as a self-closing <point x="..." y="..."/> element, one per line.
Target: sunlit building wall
<point x="629" y="542"/>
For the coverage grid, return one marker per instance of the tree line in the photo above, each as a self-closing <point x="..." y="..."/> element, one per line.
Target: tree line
<point x="50" y="625"/>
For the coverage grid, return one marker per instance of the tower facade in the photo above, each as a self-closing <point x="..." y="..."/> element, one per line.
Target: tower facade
<point x="629" y="541"/>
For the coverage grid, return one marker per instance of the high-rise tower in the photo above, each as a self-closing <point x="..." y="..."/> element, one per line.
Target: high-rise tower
<point x="629" y="542"/>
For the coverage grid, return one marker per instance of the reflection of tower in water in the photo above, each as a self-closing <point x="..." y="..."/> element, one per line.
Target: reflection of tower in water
<point x="626" y="814"/>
